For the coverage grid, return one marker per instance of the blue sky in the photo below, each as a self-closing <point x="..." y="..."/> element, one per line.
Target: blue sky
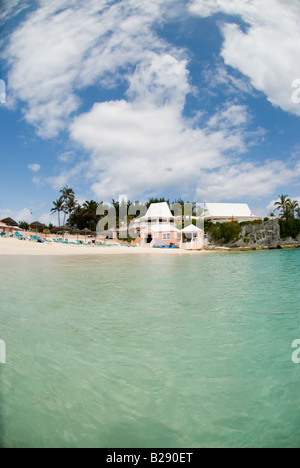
<point x="198" y="99"/>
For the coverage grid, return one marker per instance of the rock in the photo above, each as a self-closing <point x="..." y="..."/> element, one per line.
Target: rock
<point x="266" y="234"/>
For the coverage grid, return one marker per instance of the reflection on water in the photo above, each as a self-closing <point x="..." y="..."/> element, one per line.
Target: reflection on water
<point x="150" y="352"/>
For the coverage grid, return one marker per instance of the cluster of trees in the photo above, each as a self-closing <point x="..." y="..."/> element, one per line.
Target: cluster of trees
<point x="83" y="216"/>
<point x="289" y="211"/>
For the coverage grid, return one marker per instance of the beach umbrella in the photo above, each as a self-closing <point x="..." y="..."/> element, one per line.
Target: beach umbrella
<point x="86" y="232"/>
<point x="10" y="222"/>
<point x="62" y="229"/>
<point x="77" y="231"/>
<point x="37" y="226"/>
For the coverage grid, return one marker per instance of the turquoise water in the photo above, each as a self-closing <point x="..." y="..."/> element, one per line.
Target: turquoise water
<point x="177" y="352"/>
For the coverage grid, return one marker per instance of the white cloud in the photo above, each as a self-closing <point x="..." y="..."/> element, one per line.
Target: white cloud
<point x="145" y="143"/>
<point x="46" y="219"/>
<point x="217" y="76"/>
<point x="232" y="116"/>
<point x="160" y="79"/>
<point x="66" y="157"/>
<point x="5" y="213"/>
<point x="248" y="180"/>
<point x="10" y="8"/>
<point x="61" y="48"/>
<point x="268" y="52"/>
<point x="34" y="167"/>
<point x="136" y="146"/>
<point x="67" y="177"/>
<point x="24" y="215"/>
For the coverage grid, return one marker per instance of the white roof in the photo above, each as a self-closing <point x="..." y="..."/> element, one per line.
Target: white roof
<point x="159" y="210"/>
<point x="191" y="228"/>
<point x="227" y="210"/>
<point x="163" y="228"/>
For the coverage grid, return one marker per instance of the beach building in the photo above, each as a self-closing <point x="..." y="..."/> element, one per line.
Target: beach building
<point x="226" y="212"/>
<point x="158" y="226"/>
<point x="191" y="238"/>
<point x="3" y="227"/>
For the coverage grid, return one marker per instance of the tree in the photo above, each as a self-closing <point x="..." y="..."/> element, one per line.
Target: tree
<point x="293" y="206"/>
<point x="24" y="226"/>
<point x="85" y="216"/>
<point x="58" y="208"/>
<point x="70" y="206"/>
<point x="284" y="206"/>
<point x="67" y="195"/>
<point x="157" y="200"/>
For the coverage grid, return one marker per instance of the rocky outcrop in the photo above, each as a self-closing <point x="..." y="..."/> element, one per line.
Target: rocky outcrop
<point x="257" y="236"/>
<point x="266" y="234"/>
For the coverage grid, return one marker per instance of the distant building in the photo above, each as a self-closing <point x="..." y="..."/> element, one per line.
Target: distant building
<point x="158" y="225"/>
<point x="226" y="212"/>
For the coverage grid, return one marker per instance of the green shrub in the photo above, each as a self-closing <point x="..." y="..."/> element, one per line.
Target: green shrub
<point x="247" y="240"/>
<point x="290" y="228"/>
<point x="255" y="222"/>
<point x="226" y="233"/>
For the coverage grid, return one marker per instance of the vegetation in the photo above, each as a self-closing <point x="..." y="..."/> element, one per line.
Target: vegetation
<point x="289" y="211"/>
<point x="116" y="215"/>
<point x="24" y="226"/>
<point x="289" y="228"/>
<point x="225" y="233"/>
<point x="255" y="222"/>
<point x="287" y="208"/>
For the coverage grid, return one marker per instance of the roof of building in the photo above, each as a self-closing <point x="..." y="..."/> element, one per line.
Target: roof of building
<point x="227" y="210"/>
<point x="159" y="210"/>
<point x="191" y="228"/>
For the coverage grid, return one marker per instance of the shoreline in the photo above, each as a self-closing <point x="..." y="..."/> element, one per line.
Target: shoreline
<point x="253" y="249"/>
<point x="15" y="247"/>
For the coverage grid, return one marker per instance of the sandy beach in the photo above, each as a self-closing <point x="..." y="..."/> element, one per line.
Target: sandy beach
<point x="10" y="247"/>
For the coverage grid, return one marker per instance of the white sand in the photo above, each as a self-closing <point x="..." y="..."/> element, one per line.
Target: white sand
<point x="18" y="247"/>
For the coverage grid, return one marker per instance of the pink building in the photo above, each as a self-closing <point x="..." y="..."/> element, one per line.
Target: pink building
<point x="158" y="225"/>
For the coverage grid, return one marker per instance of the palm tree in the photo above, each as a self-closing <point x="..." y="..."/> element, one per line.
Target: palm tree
<point x="284" y="206"/>
<point x="67" y="194"/>
<point x="298" y="212"/>
<point x="58" y="208"/>
<point x="294" y="205"/>
<point x="90" y="214"/>
<point x="70" y="205"/>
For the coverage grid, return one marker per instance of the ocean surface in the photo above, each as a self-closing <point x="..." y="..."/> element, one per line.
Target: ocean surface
<point x="131" y="352"/>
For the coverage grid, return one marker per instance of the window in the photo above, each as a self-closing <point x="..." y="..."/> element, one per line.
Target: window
<point x="166" y="236"/>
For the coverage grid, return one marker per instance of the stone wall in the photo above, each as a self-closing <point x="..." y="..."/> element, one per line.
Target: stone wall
<point x="260" y="235"/>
